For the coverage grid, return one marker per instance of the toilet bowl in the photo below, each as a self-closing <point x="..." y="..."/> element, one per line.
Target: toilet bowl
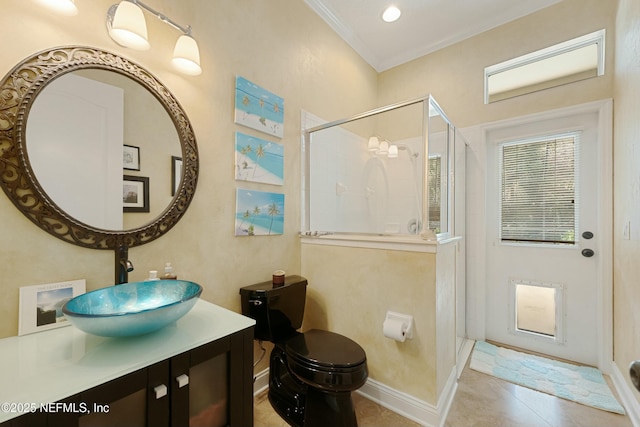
<point x="312" y="373"/>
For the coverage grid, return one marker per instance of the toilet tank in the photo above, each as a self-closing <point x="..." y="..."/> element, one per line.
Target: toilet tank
<point x="277" y="309"/>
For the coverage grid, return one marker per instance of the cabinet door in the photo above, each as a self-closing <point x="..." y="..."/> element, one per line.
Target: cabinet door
<point x="200" y="386"/>
<point x="132" y="400"/>
<point x="217" y="383"/>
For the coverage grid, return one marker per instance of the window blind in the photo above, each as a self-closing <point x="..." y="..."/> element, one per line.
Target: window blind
<point x="538" y="192"/>
<point x="435" y="195"/>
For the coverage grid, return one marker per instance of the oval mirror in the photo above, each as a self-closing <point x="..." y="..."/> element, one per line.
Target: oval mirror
<point x="94" y="149"/>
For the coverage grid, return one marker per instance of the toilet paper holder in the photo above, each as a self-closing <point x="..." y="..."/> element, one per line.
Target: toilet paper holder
<point x="406" y="319"/>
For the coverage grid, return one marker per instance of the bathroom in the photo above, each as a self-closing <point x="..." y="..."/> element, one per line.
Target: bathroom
<point x="286" y="47"/>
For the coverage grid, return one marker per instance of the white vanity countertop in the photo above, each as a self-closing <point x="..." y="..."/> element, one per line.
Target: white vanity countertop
<point x="48" y="366"/>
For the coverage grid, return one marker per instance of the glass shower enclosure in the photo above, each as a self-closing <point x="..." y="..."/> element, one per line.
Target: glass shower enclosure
<point x="388" y="171"/>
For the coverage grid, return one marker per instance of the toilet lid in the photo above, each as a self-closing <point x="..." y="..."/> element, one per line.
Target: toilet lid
<point x="324" y="348"/>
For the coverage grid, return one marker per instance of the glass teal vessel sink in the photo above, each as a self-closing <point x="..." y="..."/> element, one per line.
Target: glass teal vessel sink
<point x="132" y="308"/>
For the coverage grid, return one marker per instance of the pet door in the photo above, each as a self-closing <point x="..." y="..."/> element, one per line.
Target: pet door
<point x="537" y="310"/>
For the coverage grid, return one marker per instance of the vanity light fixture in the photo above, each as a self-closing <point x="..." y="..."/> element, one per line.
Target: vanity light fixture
<point x="391" y="14"/>
<point x="374" y="144"/>
<point x="384" y="148"/>
<point x="128" y="28"/>
<point x="381" y="148"/>
<point x="186" y="56"/>
<point x="64" y="7"/>
<point x="393" y="151"/>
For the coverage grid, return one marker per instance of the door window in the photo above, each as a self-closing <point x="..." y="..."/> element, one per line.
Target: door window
<point x="538" y="199"/>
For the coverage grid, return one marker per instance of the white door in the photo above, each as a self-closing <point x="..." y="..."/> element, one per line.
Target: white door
<point x="542" y="244"/>
<point x="74" y="139"/>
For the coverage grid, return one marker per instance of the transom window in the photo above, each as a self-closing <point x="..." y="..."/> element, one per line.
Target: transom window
<point x="567" y="62"/>
<point x="537" y="190"/>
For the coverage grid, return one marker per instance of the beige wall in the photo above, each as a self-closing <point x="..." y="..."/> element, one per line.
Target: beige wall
<point x="627" y="187"/>
<point x="350" y="291"/>
<point x="281" y="45"/>
<point x="454" y="75"/>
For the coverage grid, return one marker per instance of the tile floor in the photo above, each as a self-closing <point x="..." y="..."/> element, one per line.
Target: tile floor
<point x="367" y="412"/>
<point x="481" y="401"/>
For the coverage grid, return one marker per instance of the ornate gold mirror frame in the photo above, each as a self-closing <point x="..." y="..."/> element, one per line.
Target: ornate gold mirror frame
<point x="18" y="90"/>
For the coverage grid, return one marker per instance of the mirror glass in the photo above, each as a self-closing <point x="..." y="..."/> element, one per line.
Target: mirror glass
<point x="76" y="152"/>
<point x="94" y="149"/>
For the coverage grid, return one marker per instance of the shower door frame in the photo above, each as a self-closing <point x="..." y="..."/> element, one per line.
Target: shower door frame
<point x="428" y="102"/>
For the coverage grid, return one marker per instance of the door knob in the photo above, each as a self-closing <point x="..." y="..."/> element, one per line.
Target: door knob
<point x="587" y="235"/>
<point x="588" y="253"/>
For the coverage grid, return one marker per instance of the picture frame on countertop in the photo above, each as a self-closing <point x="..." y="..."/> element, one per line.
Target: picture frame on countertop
<point x="41" y="305"/>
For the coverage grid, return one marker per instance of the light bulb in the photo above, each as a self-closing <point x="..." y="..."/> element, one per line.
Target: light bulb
<point x="391" y="14"/>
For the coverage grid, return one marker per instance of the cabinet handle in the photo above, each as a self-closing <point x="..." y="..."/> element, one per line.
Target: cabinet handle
<point x="182" y="380"/>
<point x="161" y="391"/>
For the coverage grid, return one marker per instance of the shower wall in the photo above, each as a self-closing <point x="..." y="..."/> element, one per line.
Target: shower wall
<point x="355" y="190"/>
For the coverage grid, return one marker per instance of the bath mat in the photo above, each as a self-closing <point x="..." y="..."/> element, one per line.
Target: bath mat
<point x="580" y="384"/>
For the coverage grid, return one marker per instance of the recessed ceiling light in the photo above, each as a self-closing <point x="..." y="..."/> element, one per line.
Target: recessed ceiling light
<point x="391" y="14"/>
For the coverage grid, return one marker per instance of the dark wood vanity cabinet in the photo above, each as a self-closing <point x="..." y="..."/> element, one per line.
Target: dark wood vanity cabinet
<point x="210" y="385"/>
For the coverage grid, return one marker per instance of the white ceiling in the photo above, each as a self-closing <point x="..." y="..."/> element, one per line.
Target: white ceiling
<point x="424" y="27"/>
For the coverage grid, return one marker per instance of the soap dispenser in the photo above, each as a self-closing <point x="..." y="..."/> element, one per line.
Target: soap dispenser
<point x="168" y="272"/>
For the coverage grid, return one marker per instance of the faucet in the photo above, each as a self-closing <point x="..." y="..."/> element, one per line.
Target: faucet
<point x="123" y="265"/>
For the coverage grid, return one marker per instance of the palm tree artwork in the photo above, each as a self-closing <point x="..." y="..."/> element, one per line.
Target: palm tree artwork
<point x="273" y="211"/>
<point x="259" y="109"/>
<point x="259" y="160"/>
<point x="259" y="213"/>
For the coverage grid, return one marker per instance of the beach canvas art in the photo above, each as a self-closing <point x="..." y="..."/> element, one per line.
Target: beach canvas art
<point x="259" y="213"/>
<point x="258" y="108"/>
<point x="258" y="160"/>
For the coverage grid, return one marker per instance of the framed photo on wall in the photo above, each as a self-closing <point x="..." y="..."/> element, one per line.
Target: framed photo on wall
<point x="135" y="194"/>
<point x="130" y="158"/>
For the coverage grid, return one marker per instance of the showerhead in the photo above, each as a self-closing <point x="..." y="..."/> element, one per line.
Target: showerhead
<point x="406" y="148"/>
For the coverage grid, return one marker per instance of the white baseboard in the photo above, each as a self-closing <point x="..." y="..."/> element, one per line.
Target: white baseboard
<point x="627" y="395"/>
<point x="464" y="353"/>
<point x="408" y="406"/>
<point x="401" y="403"/>
<point x="261" y="382"/>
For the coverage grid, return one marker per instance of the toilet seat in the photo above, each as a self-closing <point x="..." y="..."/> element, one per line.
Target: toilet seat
<point x="327" y="360"/>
